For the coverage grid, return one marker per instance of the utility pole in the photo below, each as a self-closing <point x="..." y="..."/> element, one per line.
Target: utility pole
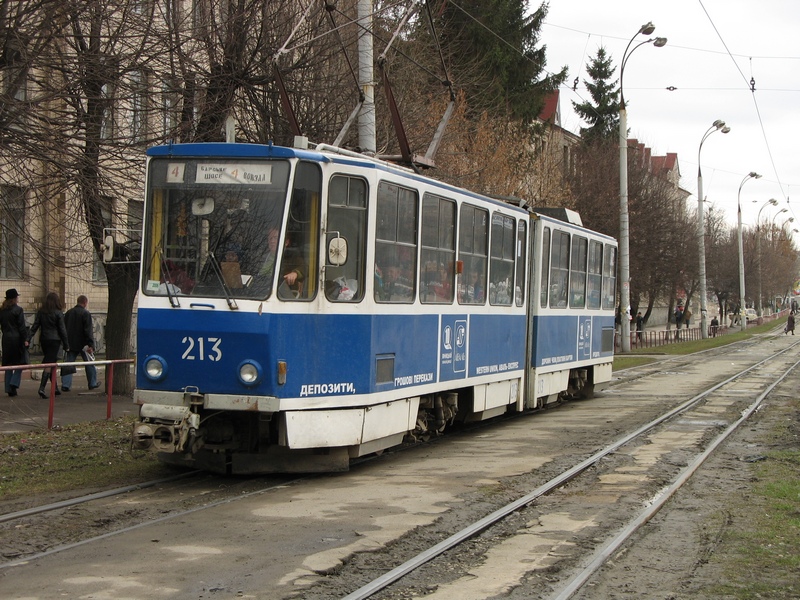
<point x="366" y="117"/>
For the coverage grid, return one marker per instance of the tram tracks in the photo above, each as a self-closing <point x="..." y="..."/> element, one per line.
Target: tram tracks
<point x="204" y="497"/>
<point x="75" y="521"/>
<point x="635" y="373"/>
<point x="698" y="408"/>
<point x="87" y="519"/>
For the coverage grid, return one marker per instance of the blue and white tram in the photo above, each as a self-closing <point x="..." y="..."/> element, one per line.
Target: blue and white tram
<point x="300" y="308"/>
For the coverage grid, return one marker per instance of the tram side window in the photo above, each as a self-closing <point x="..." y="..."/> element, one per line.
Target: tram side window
<point x="299" y="256"/>
<point x="438" y="250"/>
<point x="559" y="270"/>
<point x="396" y="243"/>
<point x="347" y="220"/>
<point x="543" y="294"/>
<point x="577" y="276"/>
<point x="501" y="266"/>
<point x="522" y="253"/>
<point x="609" y="277"/>
<point x="473" y="250"/>
<point x="595" y="275"/>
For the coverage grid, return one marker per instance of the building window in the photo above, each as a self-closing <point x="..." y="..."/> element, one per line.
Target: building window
<point x="138" y="106"/>
<point x="107" y="117"/>
<point x="169" y="110"/>
<point x="14" y="74"/>
<point x="200" y="15"/>
<point x="12" y="224"/>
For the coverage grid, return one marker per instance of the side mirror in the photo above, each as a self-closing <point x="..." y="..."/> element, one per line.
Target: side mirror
<point x="337" y="251"/>
<point x="108" y="248"/>
<point x="121" y="246"/>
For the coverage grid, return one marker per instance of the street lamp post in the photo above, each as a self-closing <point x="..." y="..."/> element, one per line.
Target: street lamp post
<point x="624" y="242"/>
<point x="742" y="315"/>
<point x="769" y="202"/>
<point x="718" y="125"/>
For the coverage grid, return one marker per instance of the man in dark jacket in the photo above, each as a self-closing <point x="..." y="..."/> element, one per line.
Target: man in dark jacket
<point x="79" y="334"/>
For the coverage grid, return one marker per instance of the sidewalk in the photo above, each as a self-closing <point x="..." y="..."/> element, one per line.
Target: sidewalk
<point x="27" y="411"/>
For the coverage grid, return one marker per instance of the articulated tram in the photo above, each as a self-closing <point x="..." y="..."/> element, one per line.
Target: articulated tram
<point x="299" y="308"/>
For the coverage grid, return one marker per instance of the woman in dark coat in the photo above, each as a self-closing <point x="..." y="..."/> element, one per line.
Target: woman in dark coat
<point x="15" y="339"/>
<point x="50" y="319"/>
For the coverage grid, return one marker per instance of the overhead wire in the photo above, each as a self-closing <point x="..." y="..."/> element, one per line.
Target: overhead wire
<point x="573" y="88"/>
<point x="751" y="86"/>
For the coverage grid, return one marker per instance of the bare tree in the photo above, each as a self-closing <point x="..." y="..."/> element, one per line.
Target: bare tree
<point x="90" y="84"/>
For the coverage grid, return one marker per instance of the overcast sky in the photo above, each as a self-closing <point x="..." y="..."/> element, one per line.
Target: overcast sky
<point x="714" y="48"/>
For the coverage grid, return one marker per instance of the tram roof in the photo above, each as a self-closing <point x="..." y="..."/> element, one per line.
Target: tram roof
<point x="234" y="150"/>
<point x="329" y="154"/>
<point x="326" y="154"/>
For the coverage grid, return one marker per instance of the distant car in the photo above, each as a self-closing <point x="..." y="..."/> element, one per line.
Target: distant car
<point x="751" y="314"/>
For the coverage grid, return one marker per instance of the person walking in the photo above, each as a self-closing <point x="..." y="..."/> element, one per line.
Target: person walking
<point x="640" y="326"/>
<point x="78" y="321"/>
<point x="15" y="339"/>
<point x="678" y="318"/>
<point x="50" y="319"/>
<point x="790" y="324"/>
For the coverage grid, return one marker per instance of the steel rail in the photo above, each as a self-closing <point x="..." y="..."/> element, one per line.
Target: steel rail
<point x="183" y="513"/>
<point x="604" y="554"/>
<point x="35" y="510"/>
<point x="470" y="531"/>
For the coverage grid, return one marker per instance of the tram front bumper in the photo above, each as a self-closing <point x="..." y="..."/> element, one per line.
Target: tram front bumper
<point x="169" y="421"/>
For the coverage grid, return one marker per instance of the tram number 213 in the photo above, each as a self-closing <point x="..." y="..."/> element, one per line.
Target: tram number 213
<point x="196" y="348"/>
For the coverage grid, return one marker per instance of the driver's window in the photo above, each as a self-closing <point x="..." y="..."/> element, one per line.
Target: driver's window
<point x="347" y="220"/>
<point x="298" y="268"/>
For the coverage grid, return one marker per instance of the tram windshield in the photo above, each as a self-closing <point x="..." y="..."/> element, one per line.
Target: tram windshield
<point x="213" y="226"/>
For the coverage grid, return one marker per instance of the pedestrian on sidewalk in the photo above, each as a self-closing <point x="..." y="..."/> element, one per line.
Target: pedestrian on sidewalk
<point x="15" y="339"/>
<point x="790" y="324"/>
<point x="50" y="319"/>
<point x="678" y="319"/>
<point x="640" y="326"/>
<point x="78" y="321"/>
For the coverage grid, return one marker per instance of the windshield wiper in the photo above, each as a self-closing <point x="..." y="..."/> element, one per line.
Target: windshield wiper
<point x="218" y="272"/>
<point x="173" y="297"/>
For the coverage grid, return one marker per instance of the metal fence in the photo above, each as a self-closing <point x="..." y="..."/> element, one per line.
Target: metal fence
<point x="662" y="337"/>
<point x="53" y="378"/>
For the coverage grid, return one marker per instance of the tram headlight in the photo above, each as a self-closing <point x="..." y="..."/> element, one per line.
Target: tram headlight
<point x="250" y="372"/>
<point x="155" y="368"/>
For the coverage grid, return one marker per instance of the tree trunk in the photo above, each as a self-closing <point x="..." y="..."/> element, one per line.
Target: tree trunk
<point x="122" y="286"/>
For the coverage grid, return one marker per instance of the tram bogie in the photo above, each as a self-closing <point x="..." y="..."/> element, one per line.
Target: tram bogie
<point x="299" y="309"/>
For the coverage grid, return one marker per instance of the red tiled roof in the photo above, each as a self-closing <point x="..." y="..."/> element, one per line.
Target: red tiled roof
<point x="550" y="110"/>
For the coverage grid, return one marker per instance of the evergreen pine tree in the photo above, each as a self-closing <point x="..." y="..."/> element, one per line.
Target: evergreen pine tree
<point x="602" y="112"/>
<point x="491" y="46"/>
